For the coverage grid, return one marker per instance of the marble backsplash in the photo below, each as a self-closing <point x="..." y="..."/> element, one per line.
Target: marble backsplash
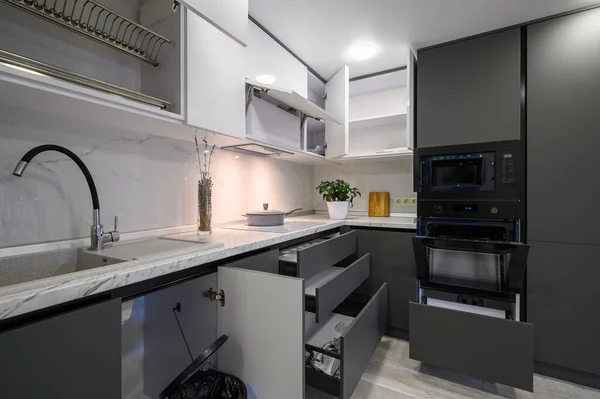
<point x="393" y="176"/>
<point x="150" y="182"/>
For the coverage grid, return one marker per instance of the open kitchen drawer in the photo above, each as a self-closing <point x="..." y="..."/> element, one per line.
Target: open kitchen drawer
<point x="322" y="263"/>
<point x="358" y="338"/>
<point x="489" y="347"/>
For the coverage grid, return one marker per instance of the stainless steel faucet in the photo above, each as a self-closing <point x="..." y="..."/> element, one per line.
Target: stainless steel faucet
<point x="97" y="235"/>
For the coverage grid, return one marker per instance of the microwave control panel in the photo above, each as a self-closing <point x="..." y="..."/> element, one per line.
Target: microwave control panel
<point x="506" y="167"/>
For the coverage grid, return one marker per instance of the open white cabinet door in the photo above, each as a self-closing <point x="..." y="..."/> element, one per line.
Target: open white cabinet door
<point x="216" y="98"/>
<point x="411" y="82"/>
<point x="338" y="105"/>
<point x="230" y="17"/>
<point x="263" y="315"/>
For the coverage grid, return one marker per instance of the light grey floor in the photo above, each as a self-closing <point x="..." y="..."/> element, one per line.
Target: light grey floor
<point x="393" y="375"/>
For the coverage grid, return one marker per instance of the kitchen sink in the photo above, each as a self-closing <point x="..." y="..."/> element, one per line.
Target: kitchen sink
<point x="36" y="266"/>
<point x="24" y="268"/>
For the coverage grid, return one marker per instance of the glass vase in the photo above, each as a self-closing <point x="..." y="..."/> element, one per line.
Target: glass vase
<point x="204" y="207"/>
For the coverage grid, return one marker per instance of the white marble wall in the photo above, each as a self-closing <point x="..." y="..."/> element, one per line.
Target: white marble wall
<point x="394" y="176"/>
<point x="150" y="182"/>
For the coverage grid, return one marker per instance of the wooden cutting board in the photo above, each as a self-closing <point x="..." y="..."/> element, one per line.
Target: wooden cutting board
<point x="379" y="204"/>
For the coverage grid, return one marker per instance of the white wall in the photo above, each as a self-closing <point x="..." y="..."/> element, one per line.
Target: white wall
<point x="150" y="182"/>
<point x="395" y="176"/>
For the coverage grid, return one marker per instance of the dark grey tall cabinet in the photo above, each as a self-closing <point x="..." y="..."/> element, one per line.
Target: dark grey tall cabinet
<point x="469" y="91"/>
<point x="563" y="189"/>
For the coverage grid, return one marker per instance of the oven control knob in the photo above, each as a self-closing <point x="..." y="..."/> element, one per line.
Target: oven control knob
<point x="494" y="210"/>
<point x="437" y="209"/>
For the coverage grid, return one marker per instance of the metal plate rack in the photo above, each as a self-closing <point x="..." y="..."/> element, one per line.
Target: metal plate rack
<point x="99" y="23"/>
<point x="38" y="67"/>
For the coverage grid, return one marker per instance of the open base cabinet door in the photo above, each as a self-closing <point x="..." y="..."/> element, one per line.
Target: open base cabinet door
<point x="263" y="315"/>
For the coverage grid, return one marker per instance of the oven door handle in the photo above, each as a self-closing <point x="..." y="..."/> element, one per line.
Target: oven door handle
<point x="465" y="245"/>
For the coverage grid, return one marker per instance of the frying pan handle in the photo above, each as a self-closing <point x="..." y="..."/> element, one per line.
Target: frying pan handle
<point x="293" y="210"/>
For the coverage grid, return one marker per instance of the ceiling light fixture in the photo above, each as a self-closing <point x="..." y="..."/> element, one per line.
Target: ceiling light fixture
<point x="266" y="79"/>
<point x="363" y="51"/>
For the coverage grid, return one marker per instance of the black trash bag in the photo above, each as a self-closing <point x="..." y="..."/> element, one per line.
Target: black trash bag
<point x="199" y="382"/>
<point x="211" y="384"/>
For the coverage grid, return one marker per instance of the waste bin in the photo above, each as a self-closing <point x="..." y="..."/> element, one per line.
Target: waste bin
<point x="196" y="383"/>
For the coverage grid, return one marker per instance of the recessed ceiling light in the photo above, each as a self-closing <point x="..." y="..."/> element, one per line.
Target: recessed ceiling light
<point x="363" y="51"/>
<point x="266" y="79"/>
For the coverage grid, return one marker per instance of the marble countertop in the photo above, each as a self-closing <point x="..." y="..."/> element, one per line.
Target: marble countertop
<point x="27" y="297"/>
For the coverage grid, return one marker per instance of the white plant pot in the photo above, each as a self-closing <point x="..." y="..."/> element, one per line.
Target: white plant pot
<point x="338" y="210"/>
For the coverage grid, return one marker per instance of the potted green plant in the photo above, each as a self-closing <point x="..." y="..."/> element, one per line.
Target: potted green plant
<point x="339" y="196"/>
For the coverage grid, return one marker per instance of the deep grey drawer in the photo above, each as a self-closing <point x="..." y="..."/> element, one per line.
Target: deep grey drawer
<point x="326" y="253"/>
<point x="357" y="344"/>
<point x="334" y="284"/>
<point x="495" y="349"/>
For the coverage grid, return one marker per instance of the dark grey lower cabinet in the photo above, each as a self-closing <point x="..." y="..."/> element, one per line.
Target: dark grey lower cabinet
<point x="563" y="304"/>
<point x="488" y="347"/>
<point x="392" y="262"/>
<point x="72" y="356"/>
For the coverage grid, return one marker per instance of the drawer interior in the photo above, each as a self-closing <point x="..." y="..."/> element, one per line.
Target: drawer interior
<point x="344" y="344"/>
<point x="489" y="347"/>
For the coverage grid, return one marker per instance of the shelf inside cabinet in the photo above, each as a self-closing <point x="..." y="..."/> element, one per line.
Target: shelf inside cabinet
<point x="294" y="101"/>
<point x="399" y="153"/>
<point x="383" y="120"/>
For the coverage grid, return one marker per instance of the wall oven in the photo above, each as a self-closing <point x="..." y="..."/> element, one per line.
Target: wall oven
<point x="474" y="171"/>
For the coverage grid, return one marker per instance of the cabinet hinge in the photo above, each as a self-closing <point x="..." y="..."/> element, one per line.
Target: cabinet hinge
<point x="214" y="296"/>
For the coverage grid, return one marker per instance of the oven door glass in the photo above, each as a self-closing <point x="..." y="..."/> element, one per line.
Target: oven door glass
<point x="457" y="172"/>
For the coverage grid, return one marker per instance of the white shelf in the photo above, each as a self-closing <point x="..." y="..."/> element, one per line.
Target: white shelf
<point x="296" y="101"/>
<point x="377" y="156"/>
<point x="383" y="120"/>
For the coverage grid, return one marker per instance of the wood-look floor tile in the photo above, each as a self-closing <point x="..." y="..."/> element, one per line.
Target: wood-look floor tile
<point x="392" y="374"/>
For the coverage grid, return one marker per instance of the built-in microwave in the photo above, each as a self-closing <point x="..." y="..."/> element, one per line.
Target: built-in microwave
<point x="485" y="171"/>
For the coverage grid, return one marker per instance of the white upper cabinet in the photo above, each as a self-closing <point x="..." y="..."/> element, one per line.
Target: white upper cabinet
<point x="229" y="16"/>
<point x="264" y="56"/>
<point x="215" y="79"/>
<point x="382" y="114"/>
<point x="337" y="104"/>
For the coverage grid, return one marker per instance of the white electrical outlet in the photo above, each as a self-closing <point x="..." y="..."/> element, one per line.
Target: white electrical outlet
<point x="405" y="201"/>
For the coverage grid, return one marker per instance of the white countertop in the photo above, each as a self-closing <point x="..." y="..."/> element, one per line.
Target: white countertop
<point x="27" y="297"/>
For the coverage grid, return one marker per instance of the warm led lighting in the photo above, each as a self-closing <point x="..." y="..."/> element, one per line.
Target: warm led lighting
<point x="237" y="157"/>
<point x="361" y="52"/>
<point x="22" y="69"/>
<point x="266" y="79"/>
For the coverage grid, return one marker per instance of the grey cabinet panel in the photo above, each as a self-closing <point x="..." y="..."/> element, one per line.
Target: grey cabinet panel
<point x="495" y="349"/>
<point x="392" y="261"/>
<point x="563" y="92"/>
<point x="563" y="303"/>
<point x="469" y="91"/>
<point x="72" y="356"/>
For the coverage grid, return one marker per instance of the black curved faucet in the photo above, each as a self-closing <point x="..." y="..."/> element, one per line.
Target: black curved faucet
<point x="97" y="236"/>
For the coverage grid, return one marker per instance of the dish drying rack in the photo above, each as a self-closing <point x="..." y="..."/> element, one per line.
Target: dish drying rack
<point x="99" y="23"/>
<point x="38" y="67"/>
